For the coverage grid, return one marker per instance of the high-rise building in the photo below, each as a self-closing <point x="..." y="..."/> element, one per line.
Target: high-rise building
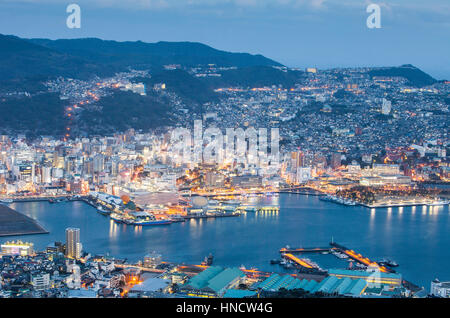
<point x="335" y="160"/>
<point x="73" y="245"/>
<point x="303" y="174"/>
<point x="386" y="107"/>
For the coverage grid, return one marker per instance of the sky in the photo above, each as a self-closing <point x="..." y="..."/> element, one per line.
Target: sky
<point x="296" y="33"/>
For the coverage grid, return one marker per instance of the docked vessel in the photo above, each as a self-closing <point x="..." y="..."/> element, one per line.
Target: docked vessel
<point x="208" y="260"/>
<point x="177" y="218"/>
<point x="336" y="199"/>
<point x="116" y="217"/>
<point x="6" y="201"/>
<point x="438" y="203"/>
<point x="388" y="262"/>
<point x="144" y="218"/>
<point x="103" y="211"/>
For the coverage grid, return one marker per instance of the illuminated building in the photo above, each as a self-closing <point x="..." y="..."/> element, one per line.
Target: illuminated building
<point x="152" y="260"/>
<point x="40" y="281"/>
<point x="303" y="174"/>
<point x="73" y="245"/>
<point x="17" y="248"/>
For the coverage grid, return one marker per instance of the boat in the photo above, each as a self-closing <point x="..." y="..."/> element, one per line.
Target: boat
<point x="6" y="201"/>
<point x="177" y="218"/>
<point x="388" y="262"/>
<point x="145" y="218"/>
<point x="103" y="211"/>
<point x="208" y="260"/>
<point x="275" y="261"/>
<point x="438" y="203"/>
<point x="247" y="208"/>
<point x="151" y="222"/>
<point x="116" y="217"/>
<point x="231" y="202"/>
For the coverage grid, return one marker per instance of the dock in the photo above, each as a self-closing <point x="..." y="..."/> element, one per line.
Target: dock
<point x="360" y="258"/>
<point x="306" y="250"/>
<point x="357" y="257"/>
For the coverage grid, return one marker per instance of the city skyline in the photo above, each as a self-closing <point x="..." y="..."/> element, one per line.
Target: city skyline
<point x="226" y="149"/>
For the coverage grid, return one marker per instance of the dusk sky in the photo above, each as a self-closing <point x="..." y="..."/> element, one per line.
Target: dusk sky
<point x="297" y="33"/>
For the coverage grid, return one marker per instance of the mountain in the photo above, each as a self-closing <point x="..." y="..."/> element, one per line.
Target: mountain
<point x="415" y="76"/>
<point x="148" y="55"/>
<point x="191" y="89"/>
<point x="21" y="59"/>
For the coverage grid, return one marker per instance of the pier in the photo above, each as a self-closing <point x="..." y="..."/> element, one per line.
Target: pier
<point x="288" y="253"/>
<point x="298" y="261"/>
<point x="306" y="250"/>
<point x="360" y="258"/>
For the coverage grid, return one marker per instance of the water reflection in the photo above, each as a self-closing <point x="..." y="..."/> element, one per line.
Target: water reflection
<point x="254" y="238"/>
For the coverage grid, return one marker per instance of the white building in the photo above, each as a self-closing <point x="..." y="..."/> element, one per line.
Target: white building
<point x="440" y="289"/>
<point x="386" y="107"/>
<point x="303" y="174"/>
<point x="41" y="281"/>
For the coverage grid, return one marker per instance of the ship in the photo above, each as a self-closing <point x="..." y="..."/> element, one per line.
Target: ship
<point x="336" y="199"/>
<point x="103" y="211"/>
<point x="145" y="218"/>
<point x="177" y="218"/>
<point x="208" y="260"/>
<point x="116" y="217"/>
<point x="438" y="203"/>
<point x="57" y="200"/>
<point x="388" y="262"/>
<point x="6" y="201"/>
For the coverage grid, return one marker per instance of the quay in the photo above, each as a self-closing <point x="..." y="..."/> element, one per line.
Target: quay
<point x="38" y="198"/>
<point x="299" y="262"/>
<point x="335" y="247"/>
<point x="305" y="250"/>
<point x="360" y="258"/>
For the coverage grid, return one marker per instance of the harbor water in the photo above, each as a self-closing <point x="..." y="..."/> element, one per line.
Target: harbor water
<point x="417" y="238"/>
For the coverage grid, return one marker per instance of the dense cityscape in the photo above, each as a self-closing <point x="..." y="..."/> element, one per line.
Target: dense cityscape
<point x="376" y="142"/>
<point x="224" y="156"/>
